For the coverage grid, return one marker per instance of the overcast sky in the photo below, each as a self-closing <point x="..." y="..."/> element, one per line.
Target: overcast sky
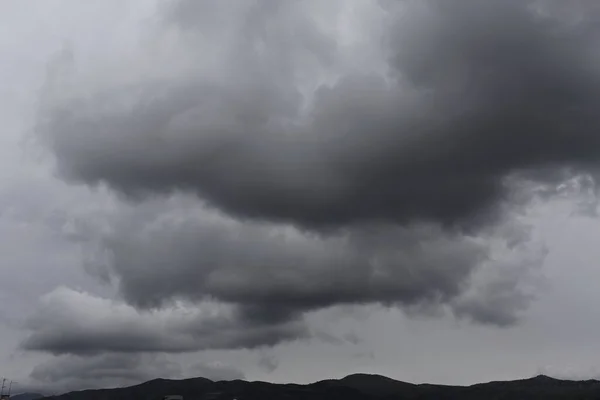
<point x="295" y="190"/>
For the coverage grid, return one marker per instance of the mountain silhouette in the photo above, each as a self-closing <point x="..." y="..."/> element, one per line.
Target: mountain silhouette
<point x="352" y="387"/>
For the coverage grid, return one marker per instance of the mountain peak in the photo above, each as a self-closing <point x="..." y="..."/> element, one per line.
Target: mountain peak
<point x="366" y="376"/>
<point x="376" y="384"/>
<point x="543" y="378"/>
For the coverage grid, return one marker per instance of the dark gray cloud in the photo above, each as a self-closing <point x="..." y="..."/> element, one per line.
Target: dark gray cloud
<point x="72" y="322"/>
<point x="161" y="252"/>
<point x="259" y="265"/>
<point x="317" y="181"/>
<point x="67" y="373"/>
<point x="264" y="279"/>
<point x="478" y="92"/>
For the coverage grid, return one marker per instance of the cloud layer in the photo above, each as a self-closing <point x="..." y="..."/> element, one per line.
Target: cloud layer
<point x="72" y="322"/>
<point x="466" y="103"/>
<point x="276" y="163"/>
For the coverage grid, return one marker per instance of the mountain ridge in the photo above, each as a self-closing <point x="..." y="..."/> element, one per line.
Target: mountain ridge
<point x="358" y="386"/>
<point x="26" y="396"/>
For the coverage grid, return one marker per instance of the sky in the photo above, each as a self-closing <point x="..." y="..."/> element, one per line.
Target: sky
<point x="298" y="190"/>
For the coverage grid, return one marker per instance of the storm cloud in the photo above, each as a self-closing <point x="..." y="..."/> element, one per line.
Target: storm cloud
<point x="161" y="251"/>
<point x="279" y="166"/>
<point x="77" y="323"/>
<point x="473" y="94"/>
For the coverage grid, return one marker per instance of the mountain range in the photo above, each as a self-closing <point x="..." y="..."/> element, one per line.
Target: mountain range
<point x="352" y="387"/>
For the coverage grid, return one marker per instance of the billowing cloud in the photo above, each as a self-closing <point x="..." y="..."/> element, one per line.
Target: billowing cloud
<point x="72" y="322"/>
<point x="160" y="252"/>
<point x="277" y="163"/>
<point x="474" y="94"/>
<point x="253" y="283"/>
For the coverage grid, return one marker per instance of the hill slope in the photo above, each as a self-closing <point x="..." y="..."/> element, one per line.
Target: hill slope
<point x="352" y="387"/>
<point x="26" y="396"/>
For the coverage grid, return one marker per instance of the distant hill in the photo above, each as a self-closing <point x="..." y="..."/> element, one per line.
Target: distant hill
<point x="27" y="396"/>
<point x="375" y="385"/>
<point x="352" y="387"/>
